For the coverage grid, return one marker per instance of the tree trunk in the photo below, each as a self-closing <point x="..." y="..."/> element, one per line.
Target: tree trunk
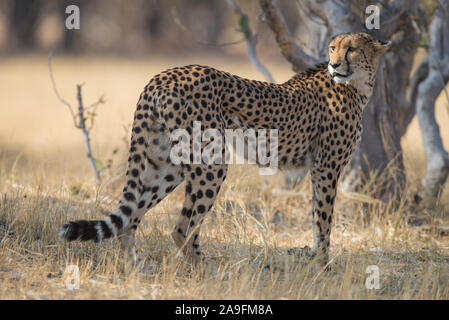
<point x="428" y="90"/>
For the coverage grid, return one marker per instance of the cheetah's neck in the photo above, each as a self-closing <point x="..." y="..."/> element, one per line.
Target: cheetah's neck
<point x="361" y="86"/>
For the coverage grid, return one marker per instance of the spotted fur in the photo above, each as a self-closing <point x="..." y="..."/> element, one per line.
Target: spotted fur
<point x="317" y="114"/>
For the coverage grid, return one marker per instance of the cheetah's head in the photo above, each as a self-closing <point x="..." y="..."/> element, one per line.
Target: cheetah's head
<point x="354" y="58"/>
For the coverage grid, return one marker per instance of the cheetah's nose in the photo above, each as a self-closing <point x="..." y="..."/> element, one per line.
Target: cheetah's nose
<point x="335" y="65"/>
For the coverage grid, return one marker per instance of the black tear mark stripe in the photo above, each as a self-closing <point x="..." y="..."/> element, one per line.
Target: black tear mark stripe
<point x="347" y="62"/>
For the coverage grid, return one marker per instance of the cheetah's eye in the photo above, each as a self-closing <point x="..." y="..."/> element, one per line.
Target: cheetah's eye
<point x="351" y="49"/>
<point x="331" y="48"/>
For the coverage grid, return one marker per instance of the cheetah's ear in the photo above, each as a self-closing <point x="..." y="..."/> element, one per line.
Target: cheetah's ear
<point x="382" y="46"/>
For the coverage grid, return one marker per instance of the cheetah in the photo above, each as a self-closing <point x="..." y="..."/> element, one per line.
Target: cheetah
<point x="317" y="115"/>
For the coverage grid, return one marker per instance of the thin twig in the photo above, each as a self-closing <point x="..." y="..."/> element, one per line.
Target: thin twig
<point x="56" y="90"/>
<point x="95" y="104"/>
<point x="82" y="126"/>
<point x="79" y="120"/>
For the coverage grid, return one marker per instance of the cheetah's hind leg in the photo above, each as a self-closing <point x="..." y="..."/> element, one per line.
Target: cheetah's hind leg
<point x="203" y="183"/>
<point x="149" y="178"/>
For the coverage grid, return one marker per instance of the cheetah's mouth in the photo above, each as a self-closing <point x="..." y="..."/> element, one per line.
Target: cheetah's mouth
<point x="341" y="78"/>
<point x="342" y="75"/>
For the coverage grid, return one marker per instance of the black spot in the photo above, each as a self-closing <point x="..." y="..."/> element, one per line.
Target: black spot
<point x="129" y="196"/>
<point x="126" y="210"/>
<point x="141" y="140"/>
<point x="132" y="184"/>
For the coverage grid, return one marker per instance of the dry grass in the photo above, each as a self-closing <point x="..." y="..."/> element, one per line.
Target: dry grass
<point x="45" y="180"/>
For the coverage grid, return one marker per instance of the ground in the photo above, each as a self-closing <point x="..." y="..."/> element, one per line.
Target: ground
<point x="45" y="180"/>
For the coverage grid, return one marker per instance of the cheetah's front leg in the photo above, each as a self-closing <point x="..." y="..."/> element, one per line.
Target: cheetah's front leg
<point x="324" y="185"/>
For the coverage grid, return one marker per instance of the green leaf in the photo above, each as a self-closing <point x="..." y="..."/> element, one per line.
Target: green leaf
<point x="244" y="25"/>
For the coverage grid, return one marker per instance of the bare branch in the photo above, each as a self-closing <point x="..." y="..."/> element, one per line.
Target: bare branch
<point x="95" y="104"/>
<point x="82" y="126"/>
<point x="56" y="90"/>
<point x="313" y="11"/>
<point x="80" y="119"/>
<point x="289" y="49"/>
<point x="250" y="40"/>
<point x="234" y="7"/>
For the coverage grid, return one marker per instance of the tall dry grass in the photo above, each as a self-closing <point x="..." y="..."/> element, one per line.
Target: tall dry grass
<point x="45" y="180"/>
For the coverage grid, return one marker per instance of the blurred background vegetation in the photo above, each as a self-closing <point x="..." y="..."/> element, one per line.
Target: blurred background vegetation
<point x="138" y="27"/>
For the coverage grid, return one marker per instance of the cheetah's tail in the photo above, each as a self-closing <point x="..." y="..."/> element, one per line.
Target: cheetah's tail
<point x="96" y="230"/>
